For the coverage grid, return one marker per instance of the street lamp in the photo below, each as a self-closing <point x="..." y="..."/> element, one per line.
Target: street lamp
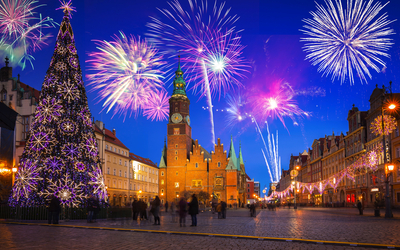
<point x="391" y="106"/>
<point x="294" y="174"/>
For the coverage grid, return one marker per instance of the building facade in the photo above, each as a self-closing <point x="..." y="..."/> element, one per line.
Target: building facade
<point x="185" y="166"/>
<point x="21" y="98"/>
<point x="145" y="182"/>
<point x="331" y="155"/>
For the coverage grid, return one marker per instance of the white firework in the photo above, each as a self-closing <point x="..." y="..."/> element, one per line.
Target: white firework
<point x="69" y="192"/>
<point x="347" y="41"/>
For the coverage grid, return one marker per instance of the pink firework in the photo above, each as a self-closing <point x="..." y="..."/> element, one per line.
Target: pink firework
<point x="21" y="30"/>
<point x="277" y="104"/>
<point x="157" y="106"/>
<point x="127" y="71"/>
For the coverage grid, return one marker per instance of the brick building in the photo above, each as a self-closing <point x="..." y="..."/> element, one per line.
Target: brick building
<point x="186" y="166"/>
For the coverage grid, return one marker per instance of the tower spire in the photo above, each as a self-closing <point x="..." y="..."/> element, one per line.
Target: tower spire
<point x="179" y="83"/>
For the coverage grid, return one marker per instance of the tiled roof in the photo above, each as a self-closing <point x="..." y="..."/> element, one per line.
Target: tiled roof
<point x="142" y="160"/>
<point x="34" y="92"/>
<point x="110" y="137"/>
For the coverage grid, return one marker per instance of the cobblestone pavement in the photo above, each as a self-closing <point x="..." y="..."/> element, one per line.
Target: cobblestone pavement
<point x="42" y="237"/>
<point x="342" y="225"/>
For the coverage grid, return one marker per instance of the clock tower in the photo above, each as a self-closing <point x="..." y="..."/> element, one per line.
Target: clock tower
<point x="179" y="130"/>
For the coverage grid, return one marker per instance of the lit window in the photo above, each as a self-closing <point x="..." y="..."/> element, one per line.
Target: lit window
<point x="162" y="182"/>
<point x="176" y="184"/>
<point x="176" y="173"/>
<point x="176" y="131"/>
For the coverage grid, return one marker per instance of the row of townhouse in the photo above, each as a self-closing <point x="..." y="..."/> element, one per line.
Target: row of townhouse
<point x="126" y="175"/>
<point x="330" y="155"/>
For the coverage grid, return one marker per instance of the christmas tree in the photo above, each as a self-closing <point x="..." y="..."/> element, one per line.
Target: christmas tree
<point x="61" y="156"/>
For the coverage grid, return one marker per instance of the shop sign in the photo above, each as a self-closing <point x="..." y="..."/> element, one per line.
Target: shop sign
<point x="374" y="189"/>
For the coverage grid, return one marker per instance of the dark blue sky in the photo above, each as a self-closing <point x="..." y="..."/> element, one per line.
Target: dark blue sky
<point x="277" y="22"/>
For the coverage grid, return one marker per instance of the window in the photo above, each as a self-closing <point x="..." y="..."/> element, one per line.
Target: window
<point x="120" y="173"/>
<point x="176" y="184"/>
<point x="106" y="146"/>
<point x="120" y="162"/>
<point x="126" y="164"/>
<point x="115" y="150"/>
<point x="108" y="170"/>
<point x="248" y="185"/>
<point x="125" y="174"/>
<point x="25" y="127"/>
<point x="176" y="152"/>
<point x="162" y="182"/>
<point x="248" y="190"/>
<point x="398" y="197"/>
<point x="162" y="173"/>
<point x="115" y="171"/>
<point x="176" y="131"/>
<point x="176" y="173"/>
<point x="162" y="191"/>
<point x="130" y="175"/>
<point x="196" y="183"/>
<point x="219" y="164"/>
<point x="115" y="184"/>
<point x="111" y="148"/>
<point x="398" y="152"/>
<point x="197" y="165"/>
<point x="176" y="145"/>
<point x="176" y="158"/>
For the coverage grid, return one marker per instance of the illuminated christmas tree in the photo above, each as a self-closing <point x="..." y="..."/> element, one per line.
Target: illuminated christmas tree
<point x="61" y="156"/>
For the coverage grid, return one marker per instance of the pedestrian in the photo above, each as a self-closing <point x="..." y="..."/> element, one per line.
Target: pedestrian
<point x="90" y="208"/>
<point x="173" y="211"/>
<point x="289" y="205"/>
<point x="219" y="210"/>
<point x="54" y="209"/>
<point x="166" y="206"/>
<point x="96" y="208"/>
<point x="155" y="206"/>
<point x="182" y="212"/>
<point x="194" y="210"/>
<point x="223" y="209"/>
<point x="360" y="207"/>
<point x="135" y="209"/>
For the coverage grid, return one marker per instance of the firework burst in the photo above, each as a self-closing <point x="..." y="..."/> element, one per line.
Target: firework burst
<point x="347" y="41"/>
<point x="157" y="106"/>
<point x="277" y="104"/>
<point x="21" y="30"/>
<point x="128" y="70"/>
<point x="205" y="37"/>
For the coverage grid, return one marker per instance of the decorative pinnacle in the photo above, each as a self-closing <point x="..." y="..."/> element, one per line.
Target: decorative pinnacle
<point x="66" y="7"/>
<point x="7" y="62"/>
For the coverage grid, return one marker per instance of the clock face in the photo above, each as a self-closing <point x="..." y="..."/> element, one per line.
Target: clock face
<point x="176" y="118"/>
<point x="188" y="120"/>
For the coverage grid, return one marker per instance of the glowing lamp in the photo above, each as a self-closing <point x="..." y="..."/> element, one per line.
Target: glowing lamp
<point x="297" y="167"/>
<point x="14" y="170"/>
<point x="392" y="106"/>
<point x="162" y="194"/>
<point x="177" y="195"/>
<point x="390" y="167"/>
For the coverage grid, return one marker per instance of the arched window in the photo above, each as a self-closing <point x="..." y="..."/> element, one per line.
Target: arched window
<point x="197" y="165"/>
<point x="219" y="164"/>
<point x="162" y="173"/>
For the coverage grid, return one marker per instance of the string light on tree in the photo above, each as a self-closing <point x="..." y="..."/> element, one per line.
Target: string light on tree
<point x="61" y="139"/>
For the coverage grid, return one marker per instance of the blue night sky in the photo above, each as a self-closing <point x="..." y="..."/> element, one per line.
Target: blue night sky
<point x="272" y="39"/>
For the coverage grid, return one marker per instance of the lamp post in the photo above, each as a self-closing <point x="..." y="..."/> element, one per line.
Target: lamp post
<point x="294" y="174"/>
<point x="389" y="168"/>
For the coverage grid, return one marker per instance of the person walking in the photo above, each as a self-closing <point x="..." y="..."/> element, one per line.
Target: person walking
<point x="143" y="210"/>
<point x="223" y="209"/>
<point x="90" y="208"/>
<point x="194" y="210"/>
<point x="155" y="206"/>
<point x="166" y="206"/>
<point x="54" y="209"/>
<point x="96" y="211"/>
<point x="135" y="209"/>
<point x="173" y="211"/>
<point x="219" y="210"/>
<point x="182" y="212"/>
<point x="360" y="207"/>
